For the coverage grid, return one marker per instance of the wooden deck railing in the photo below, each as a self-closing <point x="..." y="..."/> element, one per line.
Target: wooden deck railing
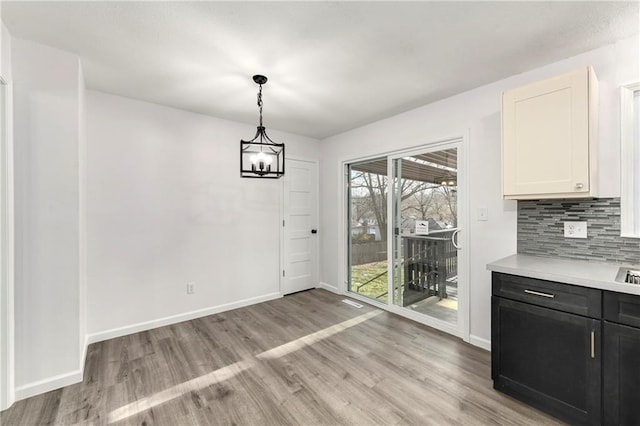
<point x="429" y="260"/>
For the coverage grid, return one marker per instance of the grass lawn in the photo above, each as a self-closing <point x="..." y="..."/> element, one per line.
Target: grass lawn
<point x="377" y="288"/>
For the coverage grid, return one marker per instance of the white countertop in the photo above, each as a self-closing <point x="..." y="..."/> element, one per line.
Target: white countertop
<point x="601" y="275"/>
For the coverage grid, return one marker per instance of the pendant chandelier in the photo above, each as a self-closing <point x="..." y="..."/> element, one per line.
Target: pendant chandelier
<point x="261" y="157"/>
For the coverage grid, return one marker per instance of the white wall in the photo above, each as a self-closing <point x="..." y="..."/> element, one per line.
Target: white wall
<point x="166" y="206"/>
<point x="47" y="139"/>
<point x="5" y="52"/>
<point x="478" y="111"/>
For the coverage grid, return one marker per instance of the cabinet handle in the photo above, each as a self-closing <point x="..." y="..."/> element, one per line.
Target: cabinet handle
<point x="593" y="344"/>
<point x="579" y="186"/>
<point x="537" y="293"/>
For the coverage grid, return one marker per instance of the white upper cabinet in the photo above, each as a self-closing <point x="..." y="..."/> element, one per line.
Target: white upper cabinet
<point x="548" y="138"/>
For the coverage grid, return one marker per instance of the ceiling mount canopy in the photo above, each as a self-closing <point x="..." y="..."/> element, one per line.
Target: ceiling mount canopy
<point x="261" y="157"/>
<point x="260" y="79"/>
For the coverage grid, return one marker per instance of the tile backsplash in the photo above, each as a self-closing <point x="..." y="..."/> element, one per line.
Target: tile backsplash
<point x="541" y="230"/>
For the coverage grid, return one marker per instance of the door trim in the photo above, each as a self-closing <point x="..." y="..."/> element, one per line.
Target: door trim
<point x="7" y="333"/>
<point x="282" y="218"/>
<point x="460" y="138"/>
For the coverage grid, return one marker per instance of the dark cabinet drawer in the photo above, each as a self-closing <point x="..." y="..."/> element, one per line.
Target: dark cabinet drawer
<point x="622" y="308"/>
<point x="563" y="297"/>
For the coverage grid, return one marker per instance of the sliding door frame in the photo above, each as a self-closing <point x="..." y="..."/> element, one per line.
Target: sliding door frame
<point x="460" y="141"/>
<point x="346" y="209"/>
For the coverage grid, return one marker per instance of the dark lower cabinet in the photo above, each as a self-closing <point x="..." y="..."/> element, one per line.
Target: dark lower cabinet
<point x="571" y="351"/>
<point x="621" y="374"/>
<point x="548" y="359"/>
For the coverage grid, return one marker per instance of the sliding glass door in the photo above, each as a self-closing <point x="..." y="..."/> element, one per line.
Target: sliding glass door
<point x="367" y="233"/>
<point x="403" y="229"/>
<point x="425" y="223"/>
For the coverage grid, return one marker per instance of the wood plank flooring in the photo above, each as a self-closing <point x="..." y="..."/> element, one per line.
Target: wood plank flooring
<point x="305" y="359"/>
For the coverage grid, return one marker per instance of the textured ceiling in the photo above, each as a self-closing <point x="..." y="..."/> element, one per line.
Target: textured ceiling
<point x="332" y="66"/>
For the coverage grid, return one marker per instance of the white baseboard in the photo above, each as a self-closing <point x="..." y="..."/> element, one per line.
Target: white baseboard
<point x="56" y="382"/>
<point x="49" y="384"/>
<point x="480" y="342"/>
<point x="59" y="381"/>
<point x="329" y="287"/>
<point x="160" y="322"/>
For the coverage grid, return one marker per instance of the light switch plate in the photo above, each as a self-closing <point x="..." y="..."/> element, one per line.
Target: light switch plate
<point x="575" y="229"/>
<point x="483" y="214"/>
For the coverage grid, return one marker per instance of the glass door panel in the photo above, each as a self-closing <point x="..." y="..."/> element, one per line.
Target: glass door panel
<point x="425" y="223"/>
<point x="367" y="234"/>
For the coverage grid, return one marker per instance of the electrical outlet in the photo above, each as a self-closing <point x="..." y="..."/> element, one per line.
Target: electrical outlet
<point x="191" y="288"/>
<point x="575" y="229"/>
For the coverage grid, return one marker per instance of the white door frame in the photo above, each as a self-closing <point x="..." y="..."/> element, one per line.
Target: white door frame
<point x="283" y="210"/>
<point x="459" y="140"/>
<point x="7" y="339"/>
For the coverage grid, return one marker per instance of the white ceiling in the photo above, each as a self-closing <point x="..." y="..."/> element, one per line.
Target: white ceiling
<point x="332" y="66"/>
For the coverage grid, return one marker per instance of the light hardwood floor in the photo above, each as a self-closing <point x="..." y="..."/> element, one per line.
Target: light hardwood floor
<point x="304" y="359"/>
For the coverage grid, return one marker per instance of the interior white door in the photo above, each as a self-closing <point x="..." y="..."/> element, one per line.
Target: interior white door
<point x="300" y="226"/>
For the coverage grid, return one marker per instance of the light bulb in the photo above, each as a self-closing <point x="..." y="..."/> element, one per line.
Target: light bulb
<point x="268" y="159"/>
<point x="261" y="157"/>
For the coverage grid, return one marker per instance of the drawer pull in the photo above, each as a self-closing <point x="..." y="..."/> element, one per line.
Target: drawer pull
<point x="537" y="293"/>
<point x="593" y="344"/>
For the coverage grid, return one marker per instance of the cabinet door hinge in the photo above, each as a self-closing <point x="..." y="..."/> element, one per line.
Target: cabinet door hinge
<point x="283" y="272"/>
<point x="283" y="222"/>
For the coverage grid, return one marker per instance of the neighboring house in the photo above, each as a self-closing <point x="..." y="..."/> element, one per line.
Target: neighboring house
<point x="409" y="225"/>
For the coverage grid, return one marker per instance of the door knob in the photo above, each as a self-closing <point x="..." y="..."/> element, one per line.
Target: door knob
<point x="314" y="231"/>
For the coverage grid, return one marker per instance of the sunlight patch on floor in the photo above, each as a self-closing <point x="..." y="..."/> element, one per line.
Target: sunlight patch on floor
<point x="173" y="392"/>
<point x="448" y="303"/>
<point x="232" y="370"/>
<point x="312" y="338"/>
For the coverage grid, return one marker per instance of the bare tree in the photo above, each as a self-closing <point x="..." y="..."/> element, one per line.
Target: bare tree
<point x="376" y="186"/>
<point x="360" y="208"/>
<point x="375" y="190"/>
<point x="451" y="198"/>
<point x="421" y="202"/>
<point x="435" y="201"/>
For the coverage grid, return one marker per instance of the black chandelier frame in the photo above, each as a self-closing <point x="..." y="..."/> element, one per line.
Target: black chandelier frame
<point x="261" y="157"/>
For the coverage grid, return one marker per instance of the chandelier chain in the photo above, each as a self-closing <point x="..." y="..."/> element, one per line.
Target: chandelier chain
<point x="260" y="103"/>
